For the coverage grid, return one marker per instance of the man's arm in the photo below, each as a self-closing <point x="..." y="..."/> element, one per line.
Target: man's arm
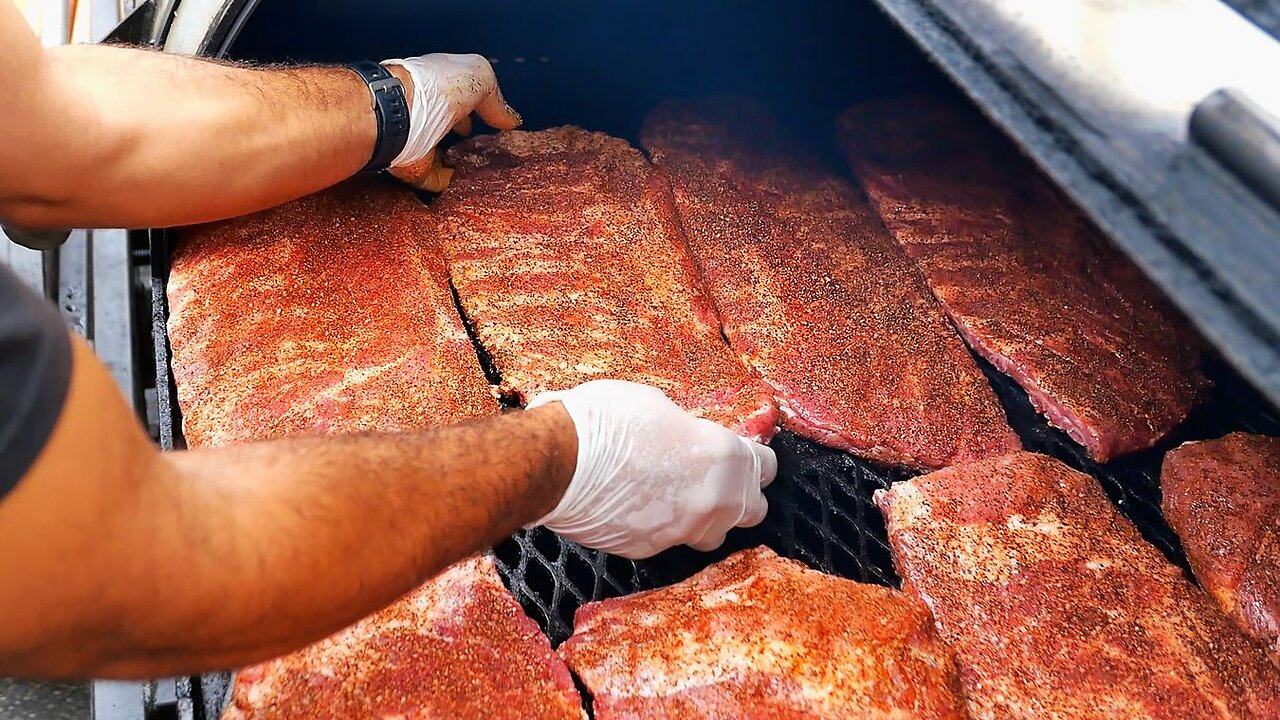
<point x="95" y="136"/>
<point x="117" y="560"/>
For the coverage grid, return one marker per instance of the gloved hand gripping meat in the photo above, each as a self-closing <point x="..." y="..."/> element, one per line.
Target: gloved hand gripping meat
<point x="446" y="89"/>
<point x="650" y="475"/>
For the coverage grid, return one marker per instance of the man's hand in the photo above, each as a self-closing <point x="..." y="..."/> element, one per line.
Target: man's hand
<point x="89" y="547"/>
<point x="446" y="89"/>
<point x="650" y="476"/>
<point x="106" y="136"/>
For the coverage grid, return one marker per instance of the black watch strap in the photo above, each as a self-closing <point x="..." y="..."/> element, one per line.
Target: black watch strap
<point x="391" y="109"/>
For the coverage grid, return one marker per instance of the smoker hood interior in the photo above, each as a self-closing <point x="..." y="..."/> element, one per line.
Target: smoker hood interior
<point x="1099" y="93"/>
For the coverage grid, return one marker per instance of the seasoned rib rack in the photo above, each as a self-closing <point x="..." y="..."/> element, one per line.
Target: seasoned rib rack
<point x="817" y="295"/>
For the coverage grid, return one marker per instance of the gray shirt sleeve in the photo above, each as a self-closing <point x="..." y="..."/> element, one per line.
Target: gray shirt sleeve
<point x="36" y="239"/>
<point x="35" y="373"/>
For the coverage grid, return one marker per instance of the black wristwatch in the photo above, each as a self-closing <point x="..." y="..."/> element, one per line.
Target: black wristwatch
<point x="391" y="109"/>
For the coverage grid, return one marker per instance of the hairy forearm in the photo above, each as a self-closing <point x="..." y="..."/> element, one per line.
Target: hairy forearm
<point x="133" y="138"/>
<point x="120" y="560"/>
<point x="278" y="544"/>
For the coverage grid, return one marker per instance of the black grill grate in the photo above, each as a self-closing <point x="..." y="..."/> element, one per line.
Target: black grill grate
<point x="820" y="510"/>
<point x="1133" y="482"/>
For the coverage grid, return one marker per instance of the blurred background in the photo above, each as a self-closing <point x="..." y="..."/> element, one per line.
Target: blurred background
<point x="62" y="21"/>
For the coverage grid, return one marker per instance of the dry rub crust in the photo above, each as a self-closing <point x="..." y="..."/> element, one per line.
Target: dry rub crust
<point x="457" y="647"/>
<point x="330" y="314"/>
<point x="333" y="314"/>
<point x="1056" y="607"/>
<point x="1026" y="280"/>
<point x="756" y="636"/>
<point x="1223" y="499"/>
<point x="567" y="256"/>
<point x="815" y="294"/>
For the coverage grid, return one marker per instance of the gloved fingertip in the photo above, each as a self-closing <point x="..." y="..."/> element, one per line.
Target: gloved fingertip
<point x="768" y="461"/>
<point x="438" y="179"/>
<point x="757" y="509"/>
<point x="495" y="111"/>
<point x="707" y="544"/>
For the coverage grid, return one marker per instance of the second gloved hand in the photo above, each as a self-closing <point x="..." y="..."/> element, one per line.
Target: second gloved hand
<point x="446" y="90"/>
<point x="650" y="475"/>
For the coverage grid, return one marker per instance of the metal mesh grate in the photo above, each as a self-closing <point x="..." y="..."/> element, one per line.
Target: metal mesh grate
<point x="551" y="577"/>
<point x="820" y="510"/>
<point x="1133" y="482"/>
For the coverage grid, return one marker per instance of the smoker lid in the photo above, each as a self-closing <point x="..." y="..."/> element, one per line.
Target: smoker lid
<point x="1100" y="93"/>
<point x="1263" y="13"/>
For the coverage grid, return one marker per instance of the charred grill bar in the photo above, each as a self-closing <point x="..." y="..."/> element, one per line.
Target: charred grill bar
<point x="603" y="67"/>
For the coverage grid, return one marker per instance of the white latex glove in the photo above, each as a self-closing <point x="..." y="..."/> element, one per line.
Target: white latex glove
<point x="650" y="475"/>
<point x="446" y="90"/>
